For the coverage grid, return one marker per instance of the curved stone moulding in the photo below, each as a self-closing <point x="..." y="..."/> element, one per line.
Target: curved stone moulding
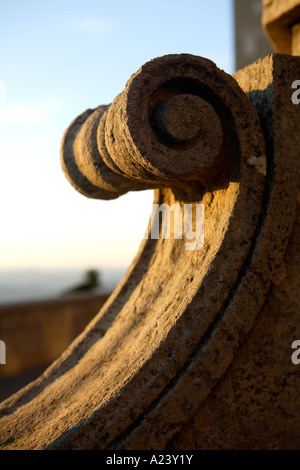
<point x="168" y="333"/>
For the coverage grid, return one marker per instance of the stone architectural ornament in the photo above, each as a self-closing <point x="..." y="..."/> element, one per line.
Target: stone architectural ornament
<point x="193" y="349"/>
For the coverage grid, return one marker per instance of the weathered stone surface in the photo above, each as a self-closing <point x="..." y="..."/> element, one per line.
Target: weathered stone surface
<point x="256" y="404"/>
<point x="168" y="337"/>
<point x="129" y="145"/>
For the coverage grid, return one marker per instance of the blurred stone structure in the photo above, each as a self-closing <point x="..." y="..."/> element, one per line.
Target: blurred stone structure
<point x="281" y="21"/>
<point x="36" y="333"/>
<point x="193" y="350"/>
<point x="251" y="42"/>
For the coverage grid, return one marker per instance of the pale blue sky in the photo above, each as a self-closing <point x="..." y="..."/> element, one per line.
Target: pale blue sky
<point x="58" y="58"/>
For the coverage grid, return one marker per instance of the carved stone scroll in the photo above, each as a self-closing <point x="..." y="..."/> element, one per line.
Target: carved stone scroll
<point x="166" y="337"/>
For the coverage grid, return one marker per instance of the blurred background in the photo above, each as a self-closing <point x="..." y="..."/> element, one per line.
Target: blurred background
<point x="58" y="58"/>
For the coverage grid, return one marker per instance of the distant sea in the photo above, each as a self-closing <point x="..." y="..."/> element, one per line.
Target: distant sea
<point x="44" y="284"/>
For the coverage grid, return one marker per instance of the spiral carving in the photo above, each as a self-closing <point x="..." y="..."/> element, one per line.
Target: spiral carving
<point x="166" y="128"/>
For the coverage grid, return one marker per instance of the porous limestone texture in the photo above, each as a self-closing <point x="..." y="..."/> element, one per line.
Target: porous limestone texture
<point x="256" y="404"/>
<point x="173" y="339"/>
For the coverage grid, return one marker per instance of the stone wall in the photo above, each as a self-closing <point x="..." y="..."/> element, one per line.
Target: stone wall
<point x="37" y="333"/>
